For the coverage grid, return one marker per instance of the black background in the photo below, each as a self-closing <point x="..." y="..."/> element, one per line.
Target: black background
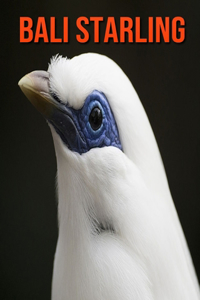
<point x="166" y="78"/>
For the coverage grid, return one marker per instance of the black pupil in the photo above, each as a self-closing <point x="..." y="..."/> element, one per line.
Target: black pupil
<point x="95" y="118"/>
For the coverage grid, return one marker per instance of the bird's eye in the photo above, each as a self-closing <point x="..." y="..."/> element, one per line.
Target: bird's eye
<point x="95" y="118"/>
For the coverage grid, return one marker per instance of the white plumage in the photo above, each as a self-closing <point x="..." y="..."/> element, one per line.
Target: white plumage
<point x="143" y="255"/>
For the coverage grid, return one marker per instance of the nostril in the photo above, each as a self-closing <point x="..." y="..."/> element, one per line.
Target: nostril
<point x="55" y="97"/>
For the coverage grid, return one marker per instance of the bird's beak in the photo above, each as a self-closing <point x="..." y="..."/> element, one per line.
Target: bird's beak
<point x="35" y="86"/>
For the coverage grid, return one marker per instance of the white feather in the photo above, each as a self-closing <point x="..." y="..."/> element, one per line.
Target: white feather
<point x="146" y="257"/>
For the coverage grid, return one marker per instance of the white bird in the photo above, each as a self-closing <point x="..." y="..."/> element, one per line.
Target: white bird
<point x="119" y="234"/>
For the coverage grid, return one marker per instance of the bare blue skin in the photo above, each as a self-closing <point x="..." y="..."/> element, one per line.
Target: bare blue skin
<point x="75" y="130"/>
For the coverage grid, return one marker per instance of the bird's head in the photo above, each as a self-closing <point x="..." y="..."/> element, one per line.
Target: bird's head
<point x="97" y="121"/>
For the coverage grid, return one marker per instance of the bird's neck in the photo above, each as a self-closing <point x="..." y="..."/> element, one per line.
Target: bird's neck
<point x="73" y="253"/>
<point x="74" y="225"/>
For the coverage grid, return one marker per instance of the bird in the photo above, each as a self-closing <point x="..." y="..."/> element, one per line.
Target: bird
<point x="119" y="237"/>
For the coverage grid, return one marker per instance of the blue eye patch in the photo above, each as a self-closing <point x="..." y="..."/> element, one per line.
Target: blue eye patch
<point x="90" y="127"/>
